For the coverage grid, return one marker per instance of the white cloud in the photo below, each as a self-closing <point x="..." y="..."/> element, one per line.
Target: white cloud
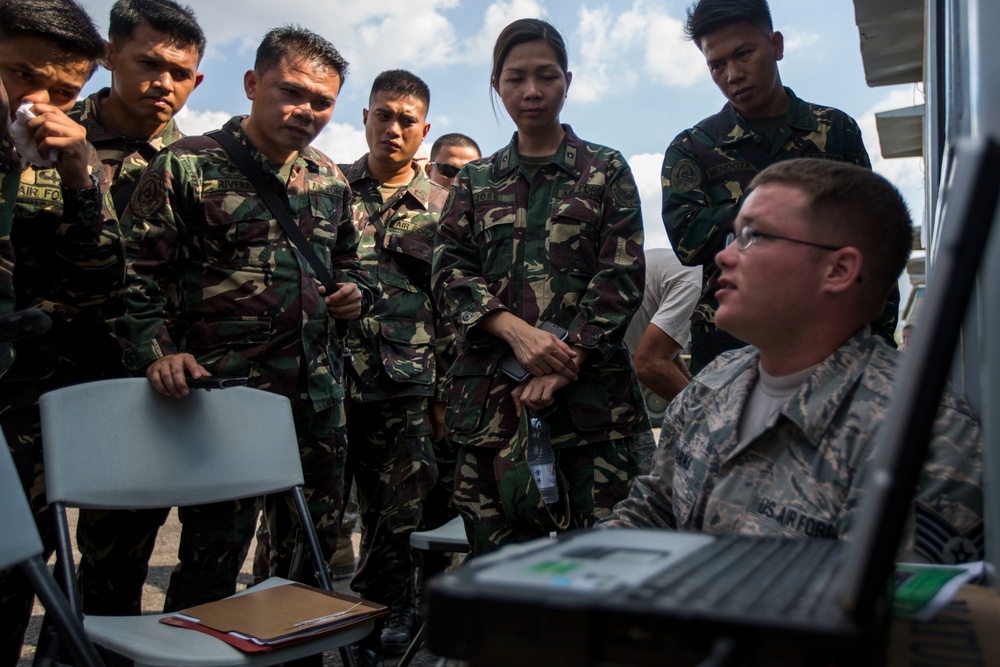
<point x="611" y="44"/>
<point x="342" y="142"/>
<point x="801" y="41"/>
<point x="479" y="47"/>
<point x="199" y="122"/>
<point x="646" y="170"/>
<point x="671" y="59"/>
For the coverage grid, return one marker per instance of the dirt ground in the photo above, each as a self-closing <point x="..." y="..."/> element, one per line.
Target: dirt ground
<point x="164" y="557"/>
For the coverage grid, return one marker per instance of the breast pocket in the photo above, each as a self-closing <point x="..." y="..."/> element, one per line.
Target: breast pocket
<point x="407" y="350"/>
<point x="237" y="232"/>
<point x="495" y="230"/>
<point x="574" y="236"/>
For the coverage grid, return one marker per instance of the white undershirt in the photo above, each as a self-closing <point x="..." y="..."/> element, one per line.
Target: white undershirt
<point x="769" y="393"/>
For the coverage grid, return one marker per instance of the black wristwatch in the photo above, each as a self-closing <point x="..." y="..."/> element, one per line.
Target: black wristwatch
<point x="74" y="196"/>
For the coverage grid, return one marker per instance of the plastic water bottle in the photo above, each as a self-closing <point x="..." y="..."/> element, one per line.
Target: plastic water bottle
<point x="541" y="458"/>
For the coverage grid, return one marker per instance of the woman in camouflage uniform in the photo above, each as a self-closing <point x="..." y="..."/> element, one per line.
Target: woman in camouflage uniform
<point x="548" y="229"/>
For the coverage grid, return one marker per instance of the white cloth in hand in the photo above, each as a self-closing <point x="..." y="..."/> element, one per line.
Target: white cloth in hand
<point x="25" y="142"/>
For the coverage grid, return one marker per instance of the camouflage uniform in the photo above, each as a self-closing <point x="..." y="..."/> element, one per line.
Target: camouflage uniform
<point x="68" y="261"/>
<point x="116" y="546"/>
<point x="211" y="273"/>
<point x="564" y="248"/>
<point x="804" y="474"/>
<point x="400" y="367"/>
<point x="706" y="171"/>
<point x="10" y="172"/>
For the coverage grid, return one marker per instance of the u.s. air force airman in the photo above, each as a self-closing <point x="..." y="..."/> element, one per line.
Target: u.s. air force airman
<point x="778" y="438"/>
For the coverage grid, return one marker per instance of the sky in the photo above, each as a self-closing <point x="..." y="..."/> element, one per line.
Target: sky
<point x="636" y="82"/>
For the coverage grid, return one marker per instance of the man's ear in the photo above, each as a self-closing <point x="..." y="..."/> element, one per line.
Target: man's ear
<point x="843" y="269"/>
<point x="250" y="84"/>
<point x="778" y="44"/>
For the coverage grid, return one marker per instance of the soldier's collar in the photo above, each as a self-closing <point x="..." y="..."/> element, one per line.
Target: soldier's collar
<point x="737" y="129"/>
<point x="567" y="156"/>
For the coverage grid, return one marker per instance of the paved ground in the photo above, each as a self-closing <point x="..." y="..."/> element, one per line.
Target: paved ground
<point x="162" y="562"/>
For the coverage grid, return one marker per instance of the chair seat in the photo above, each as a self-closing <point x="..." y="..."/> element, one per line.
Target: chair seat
<point x="147" y="642"/>
<point x="449" y="537"/>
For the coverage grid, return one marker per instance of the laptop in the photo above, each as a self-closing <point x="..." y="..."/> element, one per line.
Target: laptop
<point x="654" y="597"/>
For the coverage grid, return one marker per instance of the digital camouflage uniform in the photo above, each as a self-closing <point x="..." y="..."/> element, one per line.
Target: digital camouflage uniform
<point x="68" y="261"/>
<point x="565" y="248"/>
<point x="400" y="366"/>
<point x="211" y="273"/>
<point x="116" y="546"/>
<point x="804" y="474"/>
<point x="706" y="171"/>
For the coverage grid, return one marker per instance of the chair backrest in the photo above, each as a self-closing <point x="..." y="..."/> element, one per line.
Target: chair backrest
<point x="121" y="444"/>
<point x="19" y="539"/>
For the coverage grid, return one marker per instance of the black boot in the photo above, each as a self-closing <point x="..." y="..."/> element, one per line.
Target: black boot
<point x="368" y="651"/>
<point x="399" y="626"/>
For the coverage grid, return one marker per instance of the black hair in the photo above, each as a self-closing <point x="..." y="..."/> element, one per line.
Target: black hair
<point x="453" y="139"/>
<point x="708" y="16"/>
<point x="176" y="21"/>
<point x="523" y="31"/>
<point x="402" y="83"/>
<point x="294" y="42"/>
<point x="63" y="22"/>
<point x="852" y="206"/>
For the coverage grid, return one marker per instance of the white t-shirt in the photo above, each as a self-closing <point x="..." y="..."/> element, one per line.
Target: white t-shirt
<point x="671" y="294"/>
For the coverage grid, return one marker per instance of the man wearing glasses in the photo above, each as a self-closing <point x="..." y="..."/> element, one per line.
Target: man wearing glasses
<point x="777" y="438"/>
<point x="448" y="154"/>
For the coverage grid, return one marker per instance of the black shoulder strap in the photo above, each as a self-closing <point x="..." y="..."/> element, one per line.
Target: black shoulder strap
<point x="241" y="156"/>
<point x="121" y="193"/>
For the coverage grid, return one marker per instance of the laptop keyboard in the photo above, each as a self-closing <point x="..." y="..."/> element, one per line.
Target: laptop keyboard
<point x="767" y="576"/>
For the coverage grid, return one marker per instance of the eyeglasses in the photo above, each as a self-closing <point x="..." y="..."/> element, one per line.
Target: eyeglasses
<point x="447" y="170"/>
<point x="747" y="235"/>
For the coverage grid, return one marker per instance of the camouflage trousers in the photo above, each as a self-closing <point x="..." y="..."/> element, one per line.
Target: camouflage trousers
<point x="115" y="547"/>
<point x="22" y="429"/>
<point x="215" y="538"/>
<point x="392" y="460"/>
<point x="597" y="476"/>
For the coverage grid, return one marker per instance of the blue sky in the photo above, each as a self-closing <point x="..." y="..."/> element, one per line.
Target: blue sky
<point x="636" y="82"/>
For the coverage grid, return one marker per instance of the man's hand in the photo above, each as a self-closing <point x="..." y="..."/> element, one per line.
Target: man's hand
<point x="437" y="420"/>
<point x="345" y="303"/>
<point x="53" y="130"/>
<point x="168" y="374"/>
<point x="538" y="392"/>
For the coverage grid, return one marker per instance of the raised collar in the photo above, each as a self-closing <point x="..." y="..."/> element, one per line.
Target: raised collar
<point x="568" y="157"/>
<point x="731" y="127"/>
<point x="88" y="113"/>
<point x="419" y="186"/>
<point x="308" y="157"/>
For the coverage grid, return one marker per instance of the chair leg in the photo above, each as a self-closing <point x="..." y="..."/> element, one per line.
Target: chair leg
<point x="414" y="646"/>
<point x="347" y="656"/>
<point x="63" y="616"/>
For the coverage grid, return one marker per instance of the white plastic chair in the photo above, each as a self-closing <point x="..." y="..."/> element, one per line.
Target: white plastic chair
<point x="448" y="538"/>
<point x="119" y="444"/>
<point x="21" y="547"/>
